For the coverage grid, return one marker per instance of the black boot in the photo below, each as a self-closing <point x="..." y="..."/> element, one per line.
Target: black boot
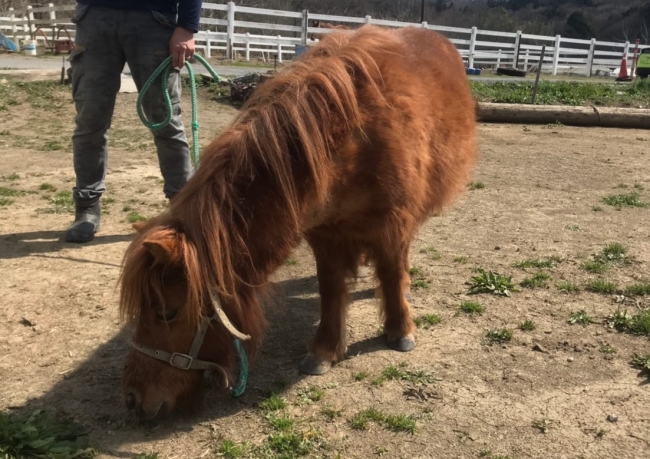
<point x="86" y="224"/>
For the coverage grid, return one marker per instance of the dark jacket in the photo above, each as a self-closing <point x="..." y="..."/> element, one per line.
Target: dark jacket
<point x="189" y="11"/>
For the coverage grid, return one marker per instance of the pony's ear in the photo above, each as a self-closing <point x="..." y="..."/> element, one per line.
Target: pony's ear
<point x="165" y="245"/>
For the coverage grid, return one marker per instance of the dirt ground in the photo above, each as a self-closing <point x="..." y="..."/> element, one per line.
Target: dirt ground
<point x="62" y="344"/>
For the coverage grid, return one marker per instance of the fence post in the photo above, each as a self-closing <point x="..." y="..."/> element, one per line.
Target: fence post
<point x="556" y="53"/>
<point x="517" y="48"/>
<point x="279" y="49"/>
<point x="248" y="46"/>
<point x="526" y="60"/>
<point x="626" y="53"/>
<point x="305" y="27"/>
<point x="472" y="47"/>
<point x="424" y="25"/>
<point x="230" y="30"/>
<point x="52" y="11"/>
<point x="368" y="19"/>
<point x="499" y="59"/>
<point x="208" y="47"/>
<point x="30" y="16"/>
<point x="590" y="58"/>
<point x="14" y="30"/>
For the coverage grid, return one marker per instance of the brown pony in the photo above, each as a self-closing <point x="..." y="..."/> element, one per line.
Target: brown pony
<point x="352" y="147"/>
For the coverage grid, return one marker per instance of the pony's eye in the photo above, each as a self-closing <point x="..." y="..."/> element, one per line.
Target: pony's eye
<point x="167" y="314"/>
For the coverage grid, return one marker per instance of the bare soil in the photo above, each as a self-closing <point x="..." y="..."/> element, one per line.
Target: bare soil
<point x="62" y="344"/>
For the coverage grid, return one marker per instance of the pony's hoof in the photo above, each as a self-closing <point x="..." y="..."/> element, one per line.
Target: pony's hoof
<point x="311" y="366"/>
<point x="402" y="344"/>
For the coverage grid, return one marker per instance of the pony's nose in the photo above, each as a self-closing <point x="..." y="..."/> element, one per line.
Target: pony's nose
<point x="131" y="400"/>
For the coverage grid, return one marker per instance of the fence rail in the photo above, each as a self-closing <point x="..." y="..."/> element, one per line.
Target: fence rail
<point x="245" y="31"/>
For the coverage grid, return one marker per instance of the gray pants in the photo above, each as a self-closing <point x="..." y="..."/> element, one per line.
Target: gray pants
<point x="106" y="39"/>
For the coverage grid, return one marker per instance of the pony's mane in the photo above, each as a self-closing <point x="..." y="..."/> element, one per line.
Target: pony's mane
<point x="278" y="150"/>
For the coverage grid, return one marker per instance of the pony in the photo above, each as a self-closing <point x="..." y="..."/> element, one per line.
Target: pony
<point x="352" y="147"/>
<point x="325" y="25"/>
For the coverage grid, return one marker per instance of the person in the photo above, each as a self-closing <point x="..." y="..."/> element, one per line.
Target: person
<point x="141" y="33"/>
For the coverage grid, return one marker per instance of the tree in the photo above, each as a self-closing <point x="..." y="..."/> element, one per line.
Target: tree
<point x="578" y="26"/>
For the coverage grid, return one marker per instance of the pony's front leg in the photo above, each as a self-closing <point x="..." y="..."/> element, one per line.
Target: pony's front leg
<point x="392" y="271"/>
<point x="334" y="261"/>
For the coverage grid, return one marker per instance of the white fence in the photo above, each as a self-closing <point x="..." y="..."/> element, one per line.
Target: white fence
<point x="244" y="32"/>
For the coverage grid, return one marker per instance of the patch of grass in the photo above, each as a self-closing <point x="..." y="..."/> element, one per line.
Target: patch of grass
<point x="310" y="395"/>
<point x="108" y="200"/>
<point x="595" y="267"/>
<point x="581" y="318"/>
<point x="476" y="186"/>
<point x="568" y="287"/>
<point x="52" y="145"/>
<point x="152" y="455"/>
<point x="127" y="209"/>
<point x="134" y="217"/>
<point x="38" y="434"/>
<point x="360" y="376"/>
<point x="601" y="286"/>
<point x="415" y="271"/>
<point x="427" y="320"/>
<point x="47" y="187"/>
<point x="10" y="177"/>
<point x="607" y="349"/>
<point x="538" y="280"/>
<point x="618" y="201"/>
<point x="281" y="423"/>
<point x="596" y="208"/>
<point x="62" y="202"/>
<point x="527" y="325"/>
<point x="331" y="413"/>
<point x="10" y="192"/>
<point x="400" y="423"/>
<point x="543" y="425"/>
<point x="6" y="202"/>
<point x="392" y="372"/>
<point x="460" y="260"/>
<point x="289" y="444"/>
<point x="420" y="283"/>
<point x="273" y="403"/>
<point x="574" y="228"/>
<point x="292" y="262"/>
<point x="472" y="307"/>
<point x="538" y="263"/>
<point x="641" y="289"/>
<point x="228" y="449"/>
<point x="396" y="423"/>
<point x="641" y="362"/>
<point x="613" y="253"/>
<point x="498" y="336"/>
<point x="637" y="324"/>
<point x="431" y="252"/>
<point x="491" y="282"/>
<point x="638" y="186"/>
<point x="360" y="420"/>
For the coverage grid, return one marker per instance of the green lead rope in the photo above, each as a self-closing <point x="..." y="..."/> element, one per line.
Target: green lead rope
<point x="164" y="69"/>
<point x="243" y="370"/>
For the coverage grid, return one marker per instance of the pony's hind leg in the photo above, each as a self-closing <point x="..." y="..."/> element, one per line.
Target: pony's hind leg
<point x="392" y="272"/>
<point x="335" y="261"/>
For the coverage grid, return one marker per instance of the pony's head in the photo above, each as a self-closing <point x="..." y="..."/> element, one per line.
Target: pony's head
<point x="175" y="340"/>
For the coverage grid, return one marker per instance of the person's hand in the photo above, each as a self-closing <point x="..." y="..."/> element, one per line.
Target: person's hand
<point x="181" y="47"/>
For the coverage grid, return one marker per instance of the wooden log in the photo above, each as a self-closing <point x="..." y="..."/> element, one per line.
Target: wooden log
<point x="569" y="115"/>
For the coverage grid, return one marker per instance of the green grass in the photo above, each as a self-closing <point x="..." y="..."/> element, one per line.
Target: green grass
<point x="595" y="267"/>
<point x="498" y="336"/>
<point x="292" y="262"/>
<point x="427" y="320"/>
<point x="415" y="271"/>
<point x="607" y="349"/>
<point x="527" y="325"/>
<point x="538" y="280"/>
<point x="41" y="435"/>
<point x="10" y="192"/>
<point x="431" y="252"/>
<point x="62" y="202"/>
<point x="601" y="286"/>
<point x="641" y="362"/>
<point x="538" y="263"/>
<point x="10" y="177"/>
<point x="281" y="423"/>
<point x="472" y="307"/>
<point x="392" y="373"/>
<point x="618" y="201"/>
<point x="228" y="449"/>
<point x="491" y="282"/>
<point x="400" y="423"/>
<point x="568" y="287"/>
<point x="581" y="318"/>
<point x="331" y="413"/>
<point x="420" y="284"/>
<point x="289" y="444"/>
<point x="152" y="455"/>
<point x="6" y="202"/>
<point x="395" y="423"/>
<point x="564" y="93"/>
<point x="360" y="376"/>
<point x="596" y="208"/>
<point x="641" y="289"/>
<point x="310" y="395"/>
<point x="476" y="186"/>
<point x="637" y="324"/>
<point x="47" y="187"/>
<point x="273" y="403"/>
<point x="134" y="217"/>
<point x="460" y="260"/>
<point x="612" y="255"/>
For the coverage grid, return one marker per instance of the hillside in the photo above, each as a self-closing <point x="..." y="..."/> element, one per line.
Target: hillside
<point x="617" y="20"/>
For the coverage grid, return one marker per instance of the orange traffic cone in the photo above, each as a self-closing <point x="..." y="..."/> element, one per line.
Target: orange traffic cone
<point x="622" y="74"/>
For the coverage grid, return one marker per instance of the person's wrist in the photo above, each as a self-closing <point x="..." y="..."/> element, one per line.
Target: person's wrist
<point x="185" y="30"/>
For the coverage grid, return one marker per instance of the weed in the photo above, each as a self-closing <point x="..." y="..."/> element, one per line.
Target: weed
<point x="6" y="202"/>
<point x="360" y="376"/>
<point x="400" y="423"/>
<point x="52" y="146"/>
<point x="491" y="282"/>
<point x="378" y="381"/>
<point x="619" y="201"/>
<point x="596" y="208"/>
<point x="614" y="253"/>
<point x="595" y="267"/>
<point x="281" y="423"/>
<point x="392" y="372"/>
<point x="498" y="336"/>
<point x="415" y="271"/>
<point x="539" y="263"/>
<point x="47" y="187"/>
<point x="63" y="202"/>
<point x="273" y="403"/>
<point x="396" y="423"/>
<point x="638" y="186"/>
<point x="538" y="280"/>
<point x="152" y="455"/>
<point x="527" y="325"/>
<point x="127" y="209"/>
<point x="38" y="434"/>
<point x="431" y="252"/>
<point x="10" y="178"/>
<point x="134" y="217"/>
<point x="543" y="425"/>
<point x="641" y="362"/>
<point x="642" y="289"/>
<point x="476" y="186"/>
<point x="427" y="320"/>
<point x="108" y="200"/>
<point x="580" y="317"/>
<point x="637" y="324"/>
<point x="310" y="395"/>
<point x="292" y="262"/>
<point x="601" y="286"/>
<point x="330" y="412"/>
<point x="460" y="260"/>
<point x="289" y="444"/>
<point x="228" y="449"/>
<point x="472" y="307"/>
<point x="567" y="287"/>
<point x="607" y="349"/>
<point x="360" y="420"/>
<point x="420" y="283"/>
<point x="619" y="320"/>
<point x="574" y="228"/>
<point x="10" y="192"/>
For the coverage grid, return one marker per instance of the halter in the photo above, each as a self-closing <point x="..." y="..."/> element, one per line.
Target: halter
<point x="190" y="362"/>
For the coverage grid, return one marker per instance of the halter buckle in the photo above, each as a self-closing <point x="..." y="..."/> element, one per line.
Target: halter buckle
<point x="181" y="361"/>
